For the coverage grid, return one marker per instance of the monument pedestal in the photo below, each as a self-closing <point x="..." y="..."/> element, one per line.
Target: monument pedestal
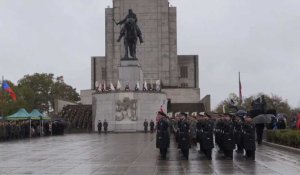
<point x="127" y="111"/>
<point x="130" y="72"/>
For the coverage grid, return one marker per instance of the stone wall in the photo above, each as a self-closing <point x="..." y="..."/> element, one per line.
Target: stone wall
<point x="98" y="70"/>
<point x="191" y="62"/>
<point x="126" y="111"/>
<point x="86" y="97"/>
<point x="59" y="104"/>
<point x="183" y="95"/>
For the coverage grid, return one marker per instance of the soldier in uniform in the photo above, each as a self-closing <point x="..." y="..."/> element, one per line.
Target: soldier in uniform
<point x="207" y="137"/>
<point x="227" y="138"/>
<point x="249" y="138"/>
<point x="99" y="126"/>
<point x="237" y="122"/>
<point x="151" y="126"/>
<point x="184" y="135"/>
<point x="145" y="126"/>
<point x="162" y="135"/>
<point x="105" y="125"/>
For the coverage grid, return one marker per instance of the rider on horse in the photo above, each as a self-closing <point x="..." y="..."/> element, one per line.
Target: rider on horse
<point x="131" y="16"/>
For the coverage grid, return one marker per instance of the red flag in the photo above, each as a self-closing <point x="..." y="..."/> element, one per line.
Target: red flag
<point x="240" y="89"/>
<point x="6" y="87"/>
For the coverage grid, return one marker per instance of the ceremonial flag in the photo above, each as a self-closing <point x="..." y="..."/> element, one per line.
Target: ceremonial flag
<point x="9" y="90"/>
<point x="138" y="85"/>
<point x="96" y="85"/>
<point x="151" y="88"/>
<point x="119" y="86"/>
<point x="112" y="87"/>
<point x="157" y="85"/>
<point x="99" y="88"/>
<point x="240" y="89"/>
<point x="104" y="87"/>
<point x="145" y="86"/>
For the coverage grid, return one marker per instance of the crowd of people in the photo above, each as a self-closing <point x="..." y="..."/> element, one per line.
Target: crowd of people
<point x="77" y="116"/>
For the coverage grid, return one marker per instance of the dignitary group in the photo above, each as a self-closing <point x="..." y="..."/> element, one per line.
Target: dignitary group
<point x="227" y="133"/>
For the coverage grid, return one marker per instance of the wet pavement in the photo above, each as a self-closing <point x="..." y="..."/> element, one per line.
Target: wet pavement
<point x="130" y="153"/>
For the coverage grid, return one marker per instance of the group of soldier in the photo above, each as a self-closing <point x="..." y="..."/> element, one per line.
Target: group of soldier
<point x="105" y="126"/>
<point x="11" y="130"/>
<point x="223" y="131"/>
<point x="77" y="117"/>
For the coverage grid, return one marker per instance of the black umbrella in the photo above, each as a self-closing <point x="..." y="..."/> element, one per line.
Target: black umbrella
<point x="263" y="118"/>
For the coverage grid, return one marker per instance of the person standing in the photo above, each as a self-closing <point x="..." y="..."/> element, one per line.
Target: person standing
<point x="259" y="132"/>
<point x="151" y="126"/>
<point x="99" y="126"/>
<point x="145" y="126"/>
<point x="184" y="137"/>
<point x="249" y="138"/>
<point x="162" y="135"/>
<point x="105" y="125"/>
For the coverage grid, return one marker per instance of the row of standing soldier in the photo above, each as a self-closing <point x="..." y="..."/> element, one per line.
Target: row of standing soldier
<point x="230" y="133"/>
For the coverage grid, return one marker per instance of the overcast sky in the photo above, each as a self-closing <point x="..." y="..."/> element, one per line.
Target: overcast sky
<point x="259" y="38"/>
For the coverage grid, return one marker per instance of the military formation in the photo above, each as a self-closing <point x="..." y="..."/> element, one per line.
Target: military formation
<point x="227" y="133"/>
<point x="77" y="117"/>
<point x="12" y="130"/>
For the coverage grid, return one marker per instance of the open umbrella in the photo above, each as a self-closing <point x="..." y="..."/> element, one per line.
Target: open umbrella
<point x="263" y="118"/>
<point x="241" y="113"/>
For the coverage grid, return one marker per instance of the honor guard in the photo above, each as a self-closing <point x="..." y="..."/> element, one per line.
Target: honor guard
<point x="162" y="135"/>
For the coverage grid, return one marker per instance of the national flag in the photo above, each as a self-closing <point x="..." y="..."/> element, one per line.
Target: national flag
<point x="6" y="87"/>
<point x="96" y="85"/>
<point x="145" y="86"/>
<point x="104" y="86"/>
<point x="112" y="87"/>
<point x="119" y="86"/>
<point x="99" y="88"/>
<point x="240" y="89"/>
<point x="137" y="85"/>
<point x="157" y="85"/>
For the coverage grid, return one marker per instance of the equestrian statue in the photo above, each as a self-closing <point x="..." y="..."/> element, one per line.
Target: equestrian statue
<point x="130" y="31"/>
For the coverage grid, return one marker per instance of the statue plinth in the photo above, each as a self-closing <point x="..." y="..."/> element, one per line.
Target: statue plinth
<point x="130" y="72"/>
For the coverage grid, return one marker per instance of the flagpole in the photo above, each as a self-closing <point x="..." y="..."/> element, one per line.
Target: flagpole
<point x="2" y="97"/>
<point x="240" y="89"/>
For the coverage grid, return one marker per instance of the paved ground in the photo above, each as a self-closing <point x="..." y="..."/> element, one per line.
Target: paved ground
<point x="129" y="154"/>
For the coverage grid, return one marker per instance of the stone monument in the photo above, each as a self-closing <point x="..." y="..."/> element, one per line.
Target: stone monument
<point x="132" y="63"/>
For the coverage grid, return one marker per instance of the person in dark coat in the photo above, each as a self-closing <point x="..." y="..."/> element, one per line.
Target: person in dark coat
<point x="162" y="135"/>
<point x="145" y="126"/>
<point x="152" y="126"/>
<point x="99" y="126"/>
<point x="207" y="138"/>
<point x="238" y="133"/>
<point x="227" y="138"/>
<point x="184" y="137"/>
<point x="105" y="125"/>
<point x="249" y="138"/>
<point x="259" y="132"/>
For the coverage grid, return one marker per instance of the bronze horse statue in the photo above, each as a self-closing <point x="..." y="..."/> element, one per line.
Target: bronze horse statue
<point x="130" y="32"/>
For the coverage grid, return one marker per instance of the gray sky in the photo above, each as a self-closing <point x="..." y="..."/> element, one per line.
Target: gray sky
<point x="259" y="38"/>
